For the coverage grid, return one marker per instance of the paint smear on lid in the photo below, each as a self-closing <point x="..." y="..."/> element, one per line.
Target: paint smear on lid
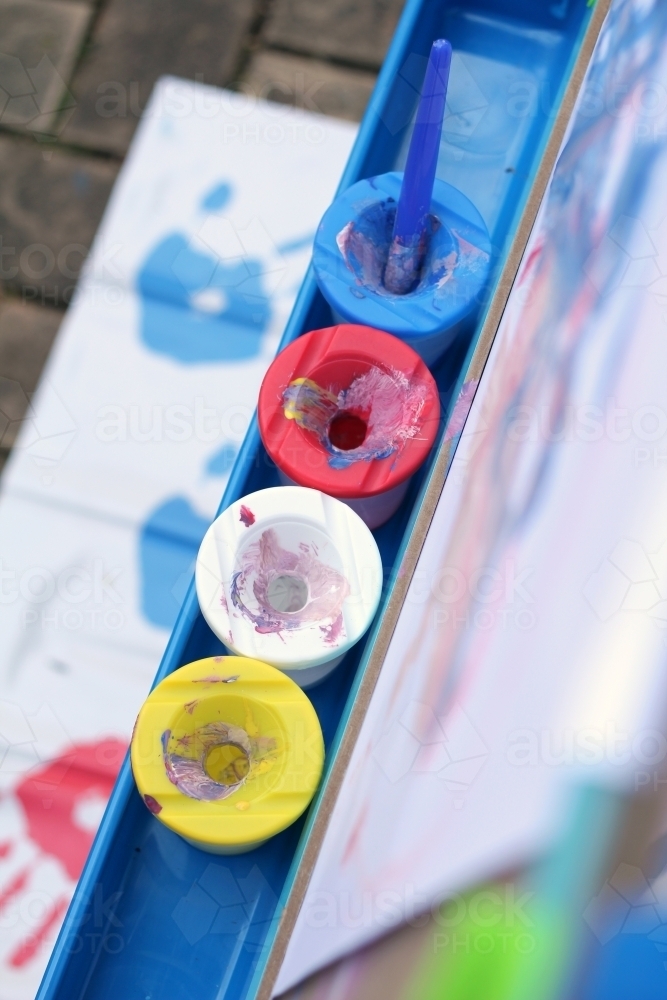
<point x="242" y="758"/>
<point x="446" y="257"/>
<point x="264" y="561"/>
<point x="389" y="404"/>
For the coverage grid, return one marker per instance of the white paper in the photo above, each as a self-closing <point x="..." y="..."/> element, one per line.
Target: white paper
<point x="529" y="654"/>
<point x="123" y="457"/>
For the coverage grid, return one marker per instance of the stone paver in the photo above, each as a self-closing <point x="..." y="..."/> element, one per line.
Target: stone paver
<point x="26" y="335"/>
<point x="349" y="30"/>
<point x="310" y="84"/>
<point x="79" y="73"/>
<point x="50" y="206"/>
<point x="39" y="44"/>
<point x="136" y="41"/>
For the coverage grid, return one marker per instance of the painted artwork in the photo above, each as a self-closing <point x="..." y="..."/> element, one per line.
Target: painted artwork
<point x="121" y="465"/>
<point x="48" y="824"/>
<point x="536" y="613"/>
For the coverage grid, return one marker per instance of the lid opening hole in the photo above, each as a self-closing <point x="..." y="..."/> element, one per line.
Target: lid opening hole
<point x="287" y="593"/>
<point x="347" y="431"/>
<point x="227" y="764"/>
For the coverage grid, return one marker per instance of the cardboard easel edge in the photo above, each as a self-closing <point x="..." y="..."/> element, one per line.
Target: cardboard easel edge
<point x="431" y="497"/>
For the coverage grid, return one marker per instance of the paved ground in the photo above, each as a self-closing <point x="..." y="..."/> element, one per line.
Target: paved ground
<point x="74" y="77"/>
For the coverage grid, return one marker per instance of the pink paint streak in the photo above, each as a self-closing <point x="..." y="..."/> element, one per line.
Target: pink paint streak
<point x="246" y="516"/>
<point x="461" y="410"/>
<point x="266" y="559"/>
<point x="29" y="948"/>
<point x="49" y="796"/>
<point x="17" y="884"/>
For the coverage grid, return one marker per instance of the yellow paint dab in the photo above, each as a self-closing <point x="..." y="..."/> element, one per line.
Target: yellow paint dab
<point x="242" y="806"/>
<point x="250" y="724"/>
<point x="262" y="767"/>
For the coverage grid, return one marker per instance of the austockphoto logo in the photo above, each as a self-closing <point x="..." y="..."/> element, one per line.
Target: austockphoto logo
<point x="102" y="930"/>
<point x="499" y="907"/>
<point x="630" y="903"/>
<point x="36" y="98"/>
<point x="75" y="598"/>
<point x="610" y="96"/>
<point x="38" y="261"/>
<point x="177" y="422"/>
<point x="491" y="920"/>
<point x="300" y="92"/>
<point x="21" y="740"/>
<point x="592" y="747"/>
<point x="627" y="256"/>
<point x="484" y="598"/>
<point x="177" y="101"/>
<point x="630" y="580"/>
<point x="588" y="423"/>
<point x="420" y="743"/>
<point x="48" y="275"/>
<point x="221" y="902"/>
<point x="44" y="434"/>
<point x="467" y="104"/>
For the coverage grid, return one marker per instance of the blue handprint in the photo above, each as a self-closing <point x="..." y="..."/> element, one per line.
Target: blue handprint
<point x="196" y="307"/>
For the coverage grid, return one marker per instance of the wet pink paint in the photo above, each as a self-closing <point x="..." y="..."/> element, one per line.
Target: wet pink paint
<point x="461" y="410"/>
<point x="246" y="516"/>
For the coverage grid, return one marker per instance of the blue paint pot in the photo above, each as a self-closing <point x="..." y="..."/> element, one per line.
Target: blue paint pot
<point x="350" y="254"/>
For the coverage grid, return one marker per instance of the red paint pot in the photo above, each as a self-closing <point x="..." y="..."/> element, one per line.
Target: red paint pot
<point x="350" y="411"/>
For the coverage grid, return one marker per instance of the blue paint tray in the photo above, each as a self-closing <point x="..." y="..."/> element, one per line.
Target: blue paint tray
<point x="153" y="917"/>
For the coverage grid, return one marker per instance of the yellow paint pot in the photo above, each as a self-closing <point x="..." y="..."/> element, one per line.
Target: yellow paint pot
<point x="227" y="752"/>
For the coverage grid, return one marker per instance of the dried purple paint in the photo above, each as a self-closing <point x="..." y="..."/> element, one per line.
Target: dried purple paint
<point x="188" y="774"/>
<point x="364" y="245"/>
<point x="152" y="804"/>
<point x="332" y="633"/>
<point x="265" y="560"/>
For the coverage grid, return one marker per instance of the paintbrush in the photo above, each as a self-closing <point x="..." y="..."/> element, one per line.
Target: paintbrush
<point x="409" y="238"/>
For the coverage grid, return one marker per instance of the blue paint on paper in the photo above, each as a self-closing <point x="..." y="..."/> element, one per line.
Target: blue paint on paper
<point x="300" y="243"/>
<point x="222" y="461"/>
<point x="217" y="198"/>
<point x="197" y="307"/>
<point x="168" y="545"/>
